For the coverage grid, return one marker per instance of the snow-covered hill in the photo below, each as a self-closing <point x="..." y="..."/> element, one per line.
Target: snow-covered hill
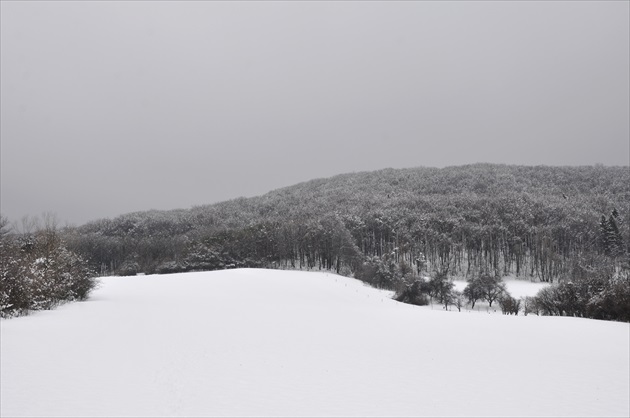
<point x="280" y="343"/>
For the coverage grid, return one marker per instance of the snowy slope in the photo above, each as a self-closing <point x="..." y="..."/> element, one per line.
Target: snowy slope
<point x="280" y="343"/>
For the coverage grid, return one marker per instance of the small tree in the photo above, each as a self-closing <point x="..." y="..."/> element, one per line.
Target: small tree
<point x="458" y="299"/>
<point x="442" y="288"/>
<point x="473" y="291"/>
<point x="5" y="228"/>
<point x="530" y="306"/>
<point x="421" y="263"/>
<point x="492" y="287"/>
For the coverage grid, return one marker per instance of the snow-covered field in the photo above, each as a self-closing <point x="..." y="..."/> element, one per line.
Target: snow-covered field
<point x="282" y="343"/>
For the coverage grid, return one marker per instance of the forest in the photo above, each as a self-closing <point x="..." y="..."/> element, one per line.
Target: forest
<point x="525" y="221"/>
<point x="388" y="227"/>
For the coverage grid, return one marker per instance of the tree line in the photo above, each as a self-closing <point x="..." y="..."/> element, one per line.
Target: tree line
<point x="524" y="221"/>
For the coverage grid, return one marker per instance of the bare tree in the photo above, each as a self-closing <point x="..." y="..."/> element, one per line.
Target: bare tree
<point x="473" y="291"/>
<point x="5" y="228"/>
<point x="492" y="287"/>
<point x="28" y="225"/>
<point x="458" y="299"/>
<point x="509" y="305"/>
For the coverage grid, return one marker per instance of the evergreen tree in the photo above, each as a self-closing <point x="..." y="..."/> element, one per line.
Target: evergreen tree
<point x="615" y="241"/>
<point x="604" y="235"/>
<point x="611" y="240"/>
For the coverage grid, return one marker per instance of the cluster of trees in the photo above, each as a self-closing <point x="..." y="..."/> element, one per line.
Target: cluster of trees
<point x="440" y="288"/>
<point x="593" y="289"/>
<point x="37" y="271"/>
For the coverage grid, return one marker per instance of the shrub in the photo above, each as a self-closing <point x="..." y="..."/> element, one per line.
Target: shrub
<point x="509" y="305"/>
<point x="39" y="272"/>
<point x="382" y="273"/>
<point x="415" y="293"/>
<point x="530" y="306"/>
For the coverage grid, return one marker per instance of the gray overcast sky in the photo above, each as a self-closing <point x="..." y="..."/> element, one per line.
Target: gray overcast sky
<point x="113" y="107"/>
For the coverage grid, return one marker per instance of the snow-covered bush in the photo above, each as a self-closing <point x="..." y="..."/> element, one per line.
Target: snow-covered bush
<point x="380" y="272"/>
<point x="38" y="272"/>
<point x="415" y="293"/>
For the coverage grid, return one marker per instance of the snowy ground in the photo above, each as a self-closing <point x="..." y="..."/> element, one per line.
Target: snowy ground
<point x="281" y="343"/>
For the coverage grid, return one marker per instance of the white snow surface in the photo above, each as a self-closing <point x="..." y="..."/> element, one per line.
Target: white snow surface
<point x="254" y="342"/>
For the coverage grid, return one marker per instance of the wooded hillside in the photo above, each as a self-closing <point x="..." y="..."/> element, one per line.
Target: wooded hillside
<point x="527" y="221"/>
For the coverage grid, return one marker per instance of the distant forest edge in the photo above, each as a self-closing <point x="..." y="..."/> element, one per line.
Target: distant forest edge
<point x="390" y="227"/>
<point x="514" y="220"/>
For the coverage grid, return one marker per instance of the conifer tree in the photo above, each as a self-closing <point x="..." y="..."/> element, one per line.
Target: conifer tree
<point x="605" y="235"/>
<point x="615" y="241"/>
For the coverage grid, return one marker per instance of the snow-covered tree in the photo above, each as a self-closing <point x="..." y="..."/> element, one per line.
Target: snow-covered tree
<point x="38" y="272"/>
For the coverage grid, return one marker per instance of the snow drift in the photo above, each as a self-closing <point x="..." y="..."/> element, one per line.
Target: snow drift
<point x="278" y="343"/>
